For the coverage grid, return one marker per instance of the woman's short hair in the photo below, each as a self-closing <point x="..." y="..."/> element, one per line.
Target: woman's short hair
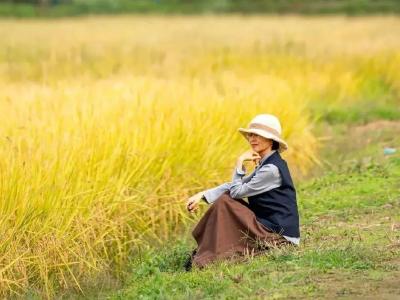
<point x="275" y="145"/>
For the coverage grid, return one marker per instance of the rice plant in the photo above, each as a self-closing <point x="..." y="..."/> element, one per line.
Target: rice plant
<point x="105" y="133"/>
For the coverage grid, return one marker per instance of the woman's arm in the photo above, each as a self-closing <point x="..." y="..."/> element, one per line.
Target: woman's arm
<point x="264" y="179"/>
<point x="209" y="196"/>
<point x="214" y="193"/>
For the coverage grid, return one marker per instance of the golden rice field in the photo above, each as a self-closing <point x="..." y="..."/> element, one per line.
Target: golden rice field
<point x="108" y="124"/>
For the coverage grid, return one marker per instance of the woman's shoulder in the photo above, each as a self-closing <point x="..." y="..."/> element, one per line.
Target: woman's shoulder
<point x="269" y="168"/>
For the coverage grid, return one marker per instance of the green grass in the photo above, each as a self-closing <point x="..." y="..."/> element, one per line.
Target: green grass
<point x="377" y="99"/>
<point x="357" y="113"/>
<point x="80" y="7"/>
<point x="350" y="245"/>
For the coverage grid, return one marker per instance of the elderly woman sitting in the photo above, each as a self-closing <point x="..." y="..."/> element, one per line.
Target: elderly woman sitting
<point x="233" y="226"/>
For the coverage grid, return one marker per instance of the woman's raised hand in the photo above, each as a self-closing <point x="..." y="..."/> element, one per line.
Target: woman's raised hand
<point x="193" y="202"/>
<point x="250" y="155"/>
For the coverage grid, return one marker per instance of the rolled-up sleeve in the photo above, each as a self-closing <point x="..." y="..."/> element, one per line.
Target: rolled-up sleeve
<point x="264" y="179"/>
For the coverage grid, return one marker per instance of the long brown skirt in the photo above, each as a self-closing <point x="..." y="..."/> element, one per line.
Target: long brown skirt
<point x="229" y="229"/>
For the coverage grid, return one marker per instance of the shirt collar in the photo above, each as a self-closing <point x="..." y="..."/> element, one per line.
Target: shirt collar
<point x="266" y="156"/>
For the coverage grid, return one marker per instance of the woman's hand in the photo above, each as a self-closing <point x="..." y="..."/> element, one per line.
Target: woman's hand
<point x="249" y="155"/>
<point x="193" y="202"/>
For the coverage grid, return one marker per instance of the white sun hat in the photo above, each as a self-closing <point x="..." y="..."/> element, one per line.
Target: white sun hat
<point x="267" y="126"/>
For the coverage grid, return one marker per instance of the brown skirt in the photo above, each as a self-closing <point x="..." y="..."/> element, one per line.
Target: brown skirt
<point x="230" y="229"/>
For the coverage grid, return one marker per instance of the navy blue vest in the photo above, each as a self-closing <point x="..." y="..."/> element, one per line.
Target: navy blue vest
<point x="277" y="208"/>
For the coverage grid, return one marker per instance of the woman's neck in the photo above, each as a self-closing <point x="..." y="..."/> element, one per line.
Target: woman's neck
<point x="265" y="152"/>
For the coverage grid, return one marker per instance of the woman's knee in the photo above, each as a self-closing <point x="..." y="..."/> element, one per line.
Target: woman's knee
<point x="224" y="198"/>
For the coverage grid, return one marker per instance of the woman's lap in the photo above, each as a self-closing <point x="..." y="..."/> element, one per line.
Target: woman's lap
<point x="229" y="227"/>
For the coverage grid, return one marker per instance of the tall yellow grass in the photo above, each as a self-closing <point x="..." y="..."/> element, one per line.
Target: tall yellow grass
<point x="109" y="124"/>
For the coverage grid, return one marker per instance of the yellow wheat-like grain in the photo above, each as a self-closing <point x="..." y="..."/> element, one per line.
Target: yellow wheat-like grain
<point x="109" y="124"/>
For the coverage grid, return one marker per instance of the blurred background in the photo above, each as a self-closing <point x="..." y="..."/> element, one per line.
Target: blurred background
<point x="29" y="8"/>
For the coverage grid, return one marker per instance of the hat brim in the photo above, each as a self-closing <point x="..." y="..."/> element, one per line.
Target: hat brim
<point x="283" y="146"/>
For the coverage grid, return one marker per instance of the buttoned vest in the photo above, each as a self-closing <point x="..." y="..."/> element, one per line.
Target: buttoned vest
<point x="277" y="208"/>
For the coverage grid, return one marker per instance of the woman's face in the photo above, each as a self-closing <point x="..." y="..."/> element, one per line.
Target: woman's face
<point x="258" y="143"/>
